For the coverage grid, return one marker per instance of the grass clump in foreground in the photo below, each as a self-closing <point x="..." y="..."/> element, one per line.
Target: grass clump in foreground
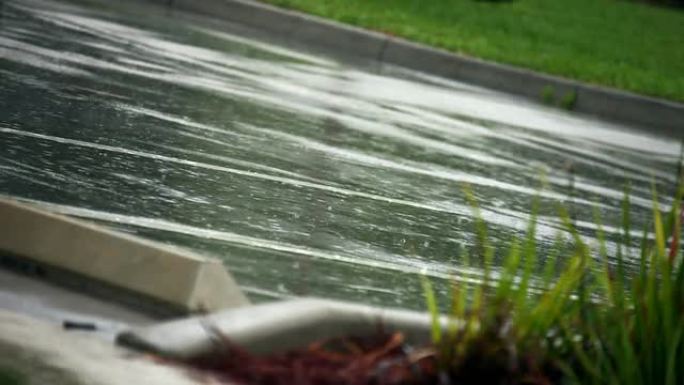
<point x="591" y="325"/>
<point x="623" y="44"/>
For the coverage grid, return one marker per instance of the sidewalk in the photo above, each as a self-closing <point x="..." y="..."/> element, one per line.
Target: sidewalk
<point x="54" y="305"/>
<point x="44" y="353"/>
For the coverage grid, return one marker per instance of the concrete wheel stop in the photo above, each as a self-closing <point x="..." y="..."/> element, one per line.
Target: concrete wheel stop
<point x="117" y="267"/>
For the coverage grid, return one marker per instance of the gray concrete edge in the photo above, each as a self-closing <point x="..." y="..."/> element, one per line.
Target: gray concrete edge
<point x="101" y="261"/>
<point x="659" y="115"/>
<point x="277" y="326"/>
<point x="93" y="288"/>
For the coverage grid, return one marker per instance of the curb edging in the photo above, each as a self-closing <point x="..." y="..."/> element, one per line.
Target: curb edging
<point x="664" y="116"/>
<point x="276" y="326"/>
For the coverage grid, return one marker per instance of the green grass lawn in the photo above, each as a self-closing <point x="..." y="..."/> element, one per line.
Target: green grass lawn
<point x="616" y="43"/>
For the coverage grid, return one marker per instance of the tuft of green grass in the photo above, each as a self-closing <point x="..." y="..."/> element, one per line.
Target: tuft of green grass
<point x="548" y="95"/>
<point x="623" y="44"/>
<point x="431" y="300"/>
<point x="569" y="100"/>
<point x="590" y="324"/>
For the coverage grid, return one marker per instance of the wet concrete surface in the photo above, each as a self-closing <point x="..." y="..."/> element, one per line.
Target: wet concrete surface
<point x="45" y="354"/>
<point x="56" y="305"/>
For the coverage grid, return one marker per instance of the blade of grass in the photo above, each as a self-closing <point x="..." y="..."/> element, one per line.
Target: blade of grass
<point x="674" y="346"/>
<point x="529" y="254"/>
<point x="551" y="261"/>
<point x="433" y="309"/>
<point x="603" y="275"/>
<point x="510" y="271"/>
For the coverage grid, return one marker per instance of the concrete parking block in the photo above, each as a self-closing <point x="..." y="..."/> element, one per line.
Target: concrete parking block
<point x="162" y="273"/>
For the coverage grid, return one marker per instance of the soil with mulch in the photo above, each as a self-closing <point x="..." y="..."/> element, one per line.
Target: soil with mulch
<point x="381" y="359"/>
<point x="384" y="359"/>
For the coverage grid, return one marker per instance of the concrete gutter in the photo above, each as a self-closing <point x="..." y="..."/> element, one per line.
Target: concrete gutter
<point x="273" y="327"/>
<point x="45" y="354"/>
<point x="144" y="272"/>
<point x="667" y="117"/>
<point x="58" y="306"/>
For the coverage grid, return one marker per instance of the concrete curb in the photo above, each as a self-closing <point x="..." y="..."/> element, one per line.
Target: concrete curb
<point x="667" y="117"/>
<point x="163" y="274"/>
<point x="277" y="326"/>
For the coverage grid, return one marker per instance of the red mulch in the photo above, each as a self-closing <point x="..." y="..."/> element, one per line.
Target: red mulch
<point x="384" y="359"/>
